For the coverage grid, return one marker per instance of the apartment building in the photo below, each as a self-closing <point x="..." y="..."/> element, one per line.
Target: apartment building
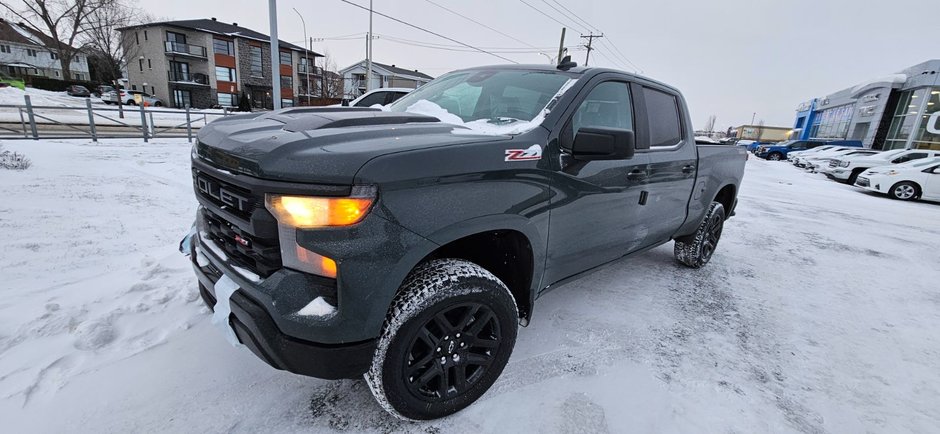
<point x="206" y="62"/>
<point x="26" y="52"/>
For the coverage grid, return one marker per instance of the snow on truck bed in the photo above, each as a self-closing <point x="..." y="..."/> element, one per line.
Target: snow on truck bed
<point x="818" y="313"/>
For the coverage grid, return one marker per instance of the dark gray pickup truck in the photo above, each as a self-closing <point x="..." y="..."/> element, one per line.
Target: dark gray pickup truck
<point x="408" y="244"/>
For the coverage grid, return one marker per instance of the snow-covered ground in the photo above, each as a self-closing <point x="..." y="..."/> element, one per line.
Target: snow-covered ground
<point x="818" y="313"/>
<point x="106" y="114"/>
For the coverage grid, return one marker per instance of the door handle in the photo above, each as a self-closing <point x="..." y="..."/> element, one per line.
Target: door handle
<point x="636" y="175"/>
<point x="689" y="168"/>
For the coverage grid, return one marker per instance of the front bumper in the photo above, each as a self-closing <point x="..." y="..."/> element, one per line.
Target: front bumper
<point x="256" y="329"/>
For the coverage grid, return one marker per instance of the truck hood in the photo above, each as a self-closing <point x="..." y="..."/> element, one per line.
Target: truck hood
<point x="320" y="145"/>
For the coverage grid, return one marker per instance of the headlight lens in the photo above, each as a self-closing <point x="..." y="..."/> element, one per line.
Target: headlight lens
<point x="892" y="172"/>
<point x="844" y="164"/>
<point x="304" y="212"/>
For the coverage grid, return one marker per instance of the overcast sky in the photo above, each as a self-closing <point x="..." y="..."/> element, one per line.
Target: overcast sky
<point x="730" y="58"/>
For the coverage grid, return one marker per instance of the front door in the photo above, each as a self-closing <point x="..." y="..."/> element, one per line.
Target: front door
<point x="932" y="189"/>
<point x="594" y="203"/>
<point x="182" y="98"/>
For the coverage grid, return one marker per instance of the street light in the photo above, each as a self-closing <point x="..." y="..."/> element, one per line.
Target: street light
<point x="551" y="60"/>
<point x="306" y="54"/>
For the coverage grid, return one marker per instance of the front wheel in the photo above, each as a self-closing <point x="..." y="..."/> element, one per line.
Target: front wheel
<point x="904" y="191"/>
<point x="696" y="250"/>
<point x="447" y="337"/>
<point x="775" y="156"/>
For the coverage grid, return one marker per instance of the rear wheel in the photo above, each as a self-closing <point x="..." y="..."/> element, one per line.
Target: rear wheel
<point x="696" y="250"/>
<point x="905" y="191"/>
<point x="447" y="337"/>
<point x="775" y="156"/>
<point x="131" y="102"/>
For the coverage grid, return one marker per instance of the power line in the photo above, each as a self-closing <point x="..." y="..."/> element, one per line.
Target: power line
<point x="463" y="50"/>
<point x="428" y="31"/>
<point x="543" y="13"/>
<point x="563" y="14"/>
<point x="477" y="22"/>
<point x="578" y="17"/>
<point x="454" y="46"/>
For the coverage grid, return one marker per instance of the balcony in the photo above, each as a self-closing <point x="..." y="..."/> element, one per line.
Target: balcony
<point x="307" y="69"/>
<point x="196" y="79"/>
<point x="186" y="49"/>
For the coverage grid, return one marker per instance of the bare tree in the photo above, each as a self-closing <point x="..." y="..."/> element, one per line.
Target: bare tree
<point x="108" y="54"/>
<point x="710" y="125"/>
<point x="331" y="83"/>
<point x="62" y="20"/>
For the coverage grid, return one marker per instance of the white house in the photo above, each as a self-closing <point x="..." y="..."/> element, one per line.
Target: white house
<point x="25" y="51"/>
<point x="354" y="78"/>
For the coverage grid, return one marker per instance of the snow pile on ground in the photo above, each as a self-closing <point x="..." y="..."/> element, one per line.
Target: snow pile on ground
<point x="14" y="96"/>
<point x="13" y="160"/>
<point x="817" y="313"/>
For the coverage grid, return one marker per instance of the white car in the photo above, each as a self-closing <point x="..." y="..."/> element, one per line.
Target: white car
<point x="800" y="160"/>
<point x="848" y="168"/>
<point x="791" y="156"/>
<point x="381" y="96"/>
<point x="918" y="179"/>
<point x="817" y="163"/>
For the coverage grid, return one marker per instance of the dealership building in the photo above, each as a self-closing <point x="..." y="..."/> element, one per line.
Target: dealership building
<point x="899" y="111"/>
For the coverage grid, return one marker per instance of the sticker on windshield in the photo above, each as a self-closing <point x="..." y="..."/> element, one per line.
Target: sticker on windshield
<point x="533" y="153"/>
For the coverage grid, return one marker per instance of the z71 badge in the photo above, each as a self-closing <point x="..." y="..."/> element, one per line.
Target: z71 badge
<point x="533" y="153"/>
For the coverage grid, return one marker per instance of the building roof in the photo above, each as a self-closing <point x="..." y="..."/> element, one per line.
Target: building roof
<point x="221" y="28"/>
<point x="393" y="69"/>
<point x="22" y="34"/>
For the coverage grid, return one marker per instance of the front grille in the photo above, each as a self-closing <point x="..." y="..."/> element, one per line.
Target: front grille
<point x="259" y="255"/>
<point x="862" y="181"/>
<point x="230" y="198"/>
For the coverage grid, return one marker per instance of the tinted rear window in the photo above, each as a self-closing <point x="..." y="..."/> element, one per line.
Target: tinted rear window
<point x="663" y="112"/>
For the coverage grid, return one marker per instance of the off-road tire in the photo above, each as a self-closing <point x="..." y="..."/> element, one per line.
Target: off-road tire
<point x="904" y="190"/>
<point x="696" y="250"/>
<point x="438" y="288"/>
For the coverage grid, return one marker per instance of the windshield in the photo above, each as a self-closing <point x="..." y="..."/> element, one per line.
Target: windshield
<point x="491" y="101"/>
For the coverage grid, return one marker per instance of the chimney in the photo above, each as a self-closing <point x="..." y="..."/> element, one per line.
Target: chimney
<point x="213" y="18"/>
<point x="235" y="24"/>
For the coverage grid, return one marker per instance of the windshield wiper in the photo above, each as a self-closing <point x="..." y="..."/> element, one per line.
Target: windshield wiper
<point x="502" y="120"/>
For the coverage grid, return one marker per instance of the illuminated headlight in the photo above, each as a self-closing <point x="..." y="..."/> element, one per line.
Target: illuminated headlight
<point x="309" y="212"/>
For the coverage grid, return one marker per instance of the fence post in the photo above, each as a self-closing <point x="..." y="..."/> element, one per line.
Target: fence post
<point x="91" y="120"/>
<point x="32" y="119"/>
<point x="143" y="122"/>
<point x="23" y="122"/>
<point x="189" y="126"/>
<point x="153" y="130"/>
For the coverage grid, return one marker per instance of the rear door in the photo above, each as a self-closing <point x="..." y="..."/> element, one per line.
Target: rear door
<point x="932" y="189"/>
<point x="672" y="163"/>
<point x="595" y="204"/>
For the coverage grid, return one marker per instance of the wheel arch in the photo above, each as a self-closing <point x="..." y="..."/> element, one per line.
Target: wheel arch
<point x="918" y="189"/>
<point x="727" y="197"/>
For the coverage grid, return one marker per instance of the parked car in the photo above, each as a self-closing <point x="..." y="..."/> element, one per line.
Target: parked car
<point x="100" y="90"/>
<point x="343" y="242"/>
<point x="917" y="179"/>
<point x="779" y="151"/>
<point x="77" y="90"/>
<point x="814" y="163"/>
<point x="383" y="96"/>
<point x="794" y="154"/>
<point x="846" y="169"/>
<point x="799" y="159"/>
<point x="128" y="97"/>
<point x="8" y="81"/>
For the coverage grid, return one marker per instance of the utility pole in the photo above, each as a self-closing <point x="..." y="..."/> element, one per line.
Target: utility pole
<point x="369" y="52"/>
<point x="752" y="117"/>
<point x="561" y="46"/>
<point x="275" y="55"/>
<point x="591" y="37"/>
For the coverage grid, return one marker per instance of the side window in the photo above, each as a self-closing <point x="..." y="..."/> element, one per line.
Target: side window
<point x="393" y="96"/>
<point x="936" y="170"/>
<point x="909" y="157"/>
<point x="607" y="106"/>
<point x="369" y="101"/>
<point x="663" y="112"/>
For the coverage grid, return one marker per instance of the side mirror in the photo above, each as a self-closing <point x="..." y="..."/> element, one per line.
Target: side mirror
<point x="603" y="144"/>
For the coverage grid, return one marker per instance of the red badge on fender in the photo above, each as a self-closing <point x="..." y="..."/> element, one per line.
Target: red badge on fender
<point x="533" y="153"/>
